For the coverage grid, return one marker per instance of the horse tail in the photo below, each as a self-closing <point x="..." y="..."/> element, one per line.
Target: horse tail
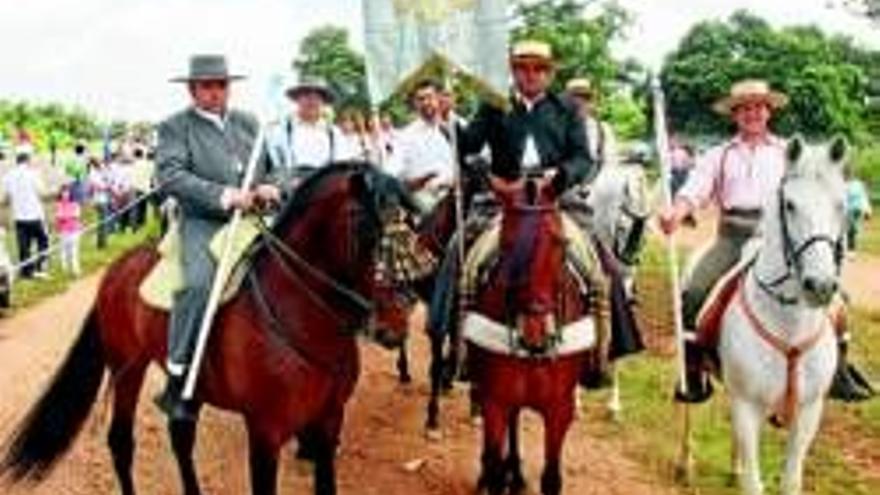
<point x="50" y="427"/>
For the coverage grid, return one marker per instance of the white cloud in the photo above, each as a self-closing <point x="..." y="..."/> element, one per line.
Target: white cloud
<point x="114" y="57"/>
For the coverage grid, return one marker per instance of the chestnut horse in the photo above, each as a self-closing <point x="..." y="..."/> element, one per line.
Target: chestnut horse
<point x="283" y="352"/>
<point x="527" y="292"/>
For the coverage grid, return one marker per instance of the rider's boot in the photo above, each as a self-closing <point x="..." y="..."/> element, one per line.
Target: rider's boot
<point x="699" y="383"/>
<point x="849" y="385"/>
<point x="171" y="400"/>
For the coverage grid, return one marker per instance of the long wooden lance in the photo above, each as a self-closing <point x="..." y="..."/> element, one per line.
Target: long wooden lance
<point x="224" y="266"/>
<point x="685" y="464"/>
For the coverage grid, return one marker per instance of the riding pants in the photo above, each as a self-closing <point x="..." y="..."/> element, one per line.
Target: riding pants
<point x="735" y="229"/>
<point x="198" y="266"/>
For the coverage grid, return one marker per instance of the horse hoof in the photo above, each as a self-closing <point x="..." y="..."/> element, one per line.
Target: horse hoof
<point x="405" y="380"/>
<point x="303" y="467"/>
<point x="732" y="480"/>
<point x="684" y="474"/>
<point x="433" y="434"/>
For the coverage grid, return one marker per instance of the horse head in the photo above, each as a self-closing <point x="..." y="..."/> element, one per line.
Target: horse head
<point x="810" y="219"/>
<point x="532" y="255"/>
<point x="352" y="219"/>
<point x="620" y="205"/>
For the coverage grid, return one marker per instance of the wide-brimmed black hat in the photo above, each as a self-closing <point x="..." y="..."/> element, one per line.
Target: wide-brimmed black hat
<point x="309" y="84"/>
<point x="208" y="68"/>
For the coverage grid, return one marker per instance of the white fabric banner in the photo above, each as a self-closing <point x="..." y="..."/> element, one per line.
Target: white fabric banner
<point x="403" y="37"/>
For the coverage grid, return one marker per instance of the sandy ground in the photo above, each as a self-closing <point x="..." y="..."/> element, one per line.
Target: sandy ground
<point x="382" y="435"/>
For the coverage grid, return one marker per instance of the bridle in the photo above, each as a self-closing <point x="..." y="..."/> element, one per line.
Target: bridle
<point x="793" y="253"/>
<point x="295" y="268"/>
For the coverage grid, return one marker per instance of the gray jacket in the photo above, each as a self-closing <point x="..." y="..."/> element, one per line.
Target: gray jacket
<point x="196" y="160"/>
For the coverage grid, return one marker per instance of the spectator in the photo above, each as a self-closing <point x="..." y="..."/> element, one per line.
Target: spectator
<point x="142" y="172"/>
<point x="682" y="160"/>
<point x="76" y="168"/>
<point x="119" y="178"/>
<point x="99" y="187"/>
<point x="858" y="208"/>
<point x="23" y="187"/>
<point x="351" y="139"/>
<point x="68" y="226"/>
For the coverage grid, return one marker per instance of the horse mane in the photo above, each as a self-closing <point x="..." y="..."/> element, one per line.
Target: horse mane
<point x="303" y="196"/>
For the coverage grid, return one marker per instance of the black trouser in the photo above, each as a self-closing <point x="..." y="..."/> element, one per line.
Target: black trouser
<point x="28" y="232"/>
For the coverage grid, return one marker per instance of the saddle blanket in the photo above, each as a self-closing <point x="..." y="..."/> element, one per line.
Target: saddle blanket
<point x="166" y="277"/>
<point x="493" y="336"/>
<point x="581" y="255"/>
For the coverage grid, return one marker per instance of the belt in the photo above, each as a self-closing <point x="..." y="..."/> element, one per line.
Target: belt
<point x="739" y="222"/>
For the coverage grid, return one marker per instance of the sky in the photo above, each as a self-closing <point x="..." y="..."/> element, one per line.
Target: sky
<point x="114" y="57"/>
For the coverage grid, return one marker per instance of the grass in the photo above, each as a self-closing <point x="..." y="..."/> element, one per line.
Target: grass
<point x="649" y="431"/>
<point x="869" y="241"/>
<point x="28" y="292"/>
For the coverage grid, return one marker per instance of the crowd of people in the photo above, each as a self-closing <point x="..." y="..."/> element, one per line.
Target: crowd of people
<point x="47" y="204"/>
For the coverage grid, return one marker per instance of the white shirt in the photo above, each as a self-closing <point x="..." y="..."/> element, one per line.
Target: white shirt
<point x="736" y="174"/>
<point x="531" y="159"/>
<point x="216" y="119"/>
<point x="314" y="143"/>
<point x="350" y="147"/>
<point x="422" y="149"/>
<point x="23" y="186"/>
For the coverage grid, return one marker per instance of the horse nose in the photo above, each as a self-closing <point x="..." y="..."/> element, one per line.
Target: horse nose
<point x="823" y="289"/>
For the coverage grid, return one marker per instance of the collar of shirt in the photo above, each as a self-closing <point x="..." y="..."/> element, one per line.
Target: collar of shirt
<point x="298" y="122"/>
<point x="216" y="119"/>
<point x="530" y="104"/>
<point x="765" y="140"/>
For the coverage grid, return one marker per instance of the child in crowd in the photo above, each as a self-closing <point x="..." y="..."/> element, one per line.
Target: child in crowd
<point x="68" y="226"/>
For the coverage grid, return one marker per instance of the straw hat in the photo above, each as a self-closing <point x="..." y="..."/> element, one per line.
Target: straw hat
<point x="750" y="90"/>
<point x="531" y="50"/>
<point x="580" y="86"/>
<point x="208" y="68"/>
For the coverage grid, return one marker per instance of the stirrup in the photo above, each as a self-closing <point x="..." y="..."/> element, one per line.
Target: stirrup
<point x="699" y="390"/>
<point x="849" y="385"/>
<point x="171" y="401"/>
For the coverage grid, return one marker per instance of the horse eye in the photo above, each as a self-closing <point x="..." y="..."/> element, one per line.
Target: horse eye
<point x="789" y="206"/>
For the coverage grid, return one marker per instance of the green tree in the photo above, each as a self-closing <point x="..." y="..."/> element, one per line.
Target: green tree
<point x="582" y="47"/>
<point x="825" y="77"/>
<point x="325" y="52"/>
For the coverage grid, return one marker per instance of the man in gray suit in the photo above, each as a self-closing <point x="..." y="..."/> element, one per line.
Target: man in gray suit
<point x="201" y="158"/>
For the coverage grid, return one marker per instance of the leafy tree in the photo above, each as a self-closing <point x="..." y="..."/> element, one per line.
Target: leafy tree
<point x="47" y="124"/>
<point x="825" y="77"/>
<point x="325" y="53"/>
<point x="582" y="48"/>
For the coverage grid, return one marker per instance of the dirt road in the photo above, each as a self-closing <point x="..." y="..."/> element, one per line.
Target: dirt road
<point x="382" y="434"/>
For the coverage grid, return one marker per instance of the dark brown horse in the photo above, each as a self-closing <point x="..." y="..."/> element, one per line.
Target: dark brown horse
<point x="283" y="352"/>
<point x="529" y="293"/>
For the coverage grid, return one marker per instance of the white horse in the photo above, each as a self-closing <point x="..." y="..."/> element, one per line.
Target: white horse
<point x="777" y="343"/>
<point x="619" y="205"/>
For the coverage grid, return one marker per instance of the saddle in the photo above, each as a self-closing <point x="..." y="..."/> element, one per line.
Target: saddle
<point x="708" y="324"/>
<point x="166" y="277"/>
<point x="582" y="264"/>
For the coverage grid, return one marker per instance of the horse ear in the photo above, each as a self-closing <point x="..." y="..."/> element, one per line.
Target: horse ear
<point x="795" y="148"/>
<point x="360" y="184"/>
<point x="838" y="151"/>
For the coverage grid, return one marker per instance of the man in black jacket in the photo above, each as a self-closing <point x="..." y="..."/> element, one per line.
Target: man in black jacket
<point x="538" y="132"/>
